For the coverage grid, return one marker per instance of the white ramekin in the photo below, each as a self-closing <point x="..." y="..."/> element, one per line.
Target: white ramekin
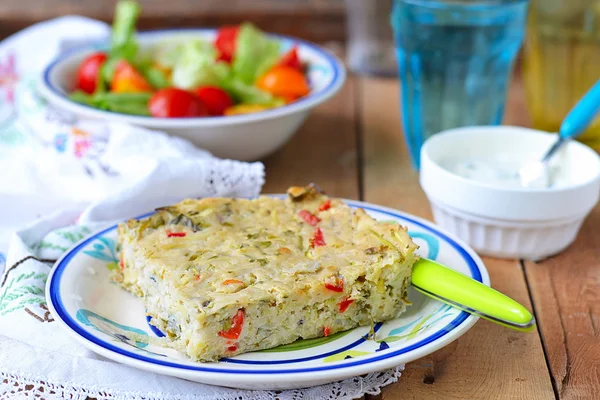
<point x="508" y="222"/>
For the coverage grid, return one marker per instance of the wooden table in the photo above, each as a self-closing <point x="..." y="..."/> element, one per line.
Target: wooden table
<point x="353" y="147"/>
<point x="316" y="20"/>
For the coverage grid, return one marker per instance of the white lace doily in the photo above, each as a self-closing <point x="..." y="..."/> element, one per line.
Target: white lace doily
<point x="13" y="386"/>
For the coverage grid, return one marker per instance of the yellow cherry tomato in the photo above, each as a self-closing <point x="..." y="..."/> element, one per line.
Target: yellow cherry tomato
<point x="127" y="80"/>
<point x="245" y="109"/>
<point x="284" y="81"/>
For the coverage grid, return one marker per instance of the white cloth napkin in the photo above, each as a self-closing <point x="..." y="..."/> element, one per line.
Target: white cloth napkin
<point x="62" y="178"/>
<point x="37" y="357"/>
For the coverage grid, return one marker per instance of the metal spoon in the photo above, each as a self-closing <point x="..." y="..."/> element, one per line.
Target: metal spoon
<point x="535" y="175"/>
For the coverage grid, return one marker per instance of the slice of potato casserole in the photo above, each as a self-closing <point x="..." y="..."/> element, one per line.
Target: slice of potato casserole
<point x="223" y="276"/>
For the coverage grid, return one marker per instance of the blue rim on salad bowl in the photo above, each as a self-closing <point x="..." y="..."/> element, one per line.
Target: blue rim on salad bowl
<point x="244" y="137"/>
<point x="102" y="317"/>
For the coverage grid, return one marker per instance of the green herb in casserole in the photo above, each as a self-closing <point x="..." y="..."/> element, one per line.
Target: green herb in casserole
<point x="225" y="276"/>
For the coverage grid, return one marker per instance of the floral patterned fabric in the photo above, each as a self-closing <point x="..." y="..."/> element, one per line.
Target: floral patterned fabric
<point x="63" y="178"/>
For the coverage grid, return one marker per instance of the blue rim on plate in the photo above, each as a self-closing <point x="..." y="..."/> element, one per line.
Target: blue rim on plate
<point x="336" y="65"/>
<point x="352" y="345"/>
<point x="56" y="302"/>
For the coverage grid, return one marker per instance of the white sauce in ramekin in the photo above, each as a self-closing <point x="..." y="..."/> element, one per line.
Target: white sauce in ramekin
<point x="501" y="171"/>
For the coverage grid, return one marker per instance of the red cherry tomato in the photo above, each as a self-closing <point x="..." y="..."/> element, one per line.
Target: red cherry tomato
<point x="291" y="59"/>
<point x="225" y="42"/>
<point x="176" y="103"/>
<point x="215" y="99"/>
<point x="89" y="69"/>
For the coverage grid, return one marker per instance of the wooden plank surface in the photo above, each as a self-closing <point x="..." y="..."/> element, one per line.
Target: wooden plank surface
<point x="565" y="290"/>
<point x="566" y="293"/>
<point x="317" y="20"/>
<point x="489" y="361"/>
<point x="324" y="151"/>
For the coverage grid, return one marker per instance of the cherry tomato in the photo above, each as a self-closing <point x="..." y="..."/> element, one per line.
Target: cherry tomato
<point x="245" y="109"/>
<point x="285" y="82"/>
<point x="89" y="69"/>
<point x="225" y="42"/>
<point x="291" y="59"/>
<point x="215" y="99"/>
<point x="176" y="103"/>
<point x="127" y="79"/>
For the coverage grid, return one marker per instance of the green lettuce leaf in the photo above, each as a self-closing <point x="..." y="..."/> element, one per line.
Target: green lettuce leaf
<point x="168" y="51"/>
<point x="123" y="44"/>
<point x="197" y="66"/>
<point x="123" y="41"/>
<point x="254" y="54"/>
<point x="127" y="103"/>
<point x="108" y="69"/>
<point x="156" y="78"/>
<point x="249" y="94"/>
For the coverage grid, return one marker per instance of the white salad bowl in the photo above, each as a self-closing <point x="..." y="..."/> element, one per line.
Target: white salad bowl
<point x="500" y="218"/>
<point x="242" y="137"/>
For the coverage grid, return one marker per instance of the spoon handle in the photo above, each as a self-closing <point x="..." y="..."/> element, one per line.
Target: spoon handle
<point x="460" y="291"/>
<point x="582" y="114"/>
<point x="555" y="147"/>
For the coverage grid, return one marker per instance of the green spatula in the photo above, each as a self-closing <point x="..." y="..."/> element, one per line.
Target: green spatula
<point x="460" y="291"/>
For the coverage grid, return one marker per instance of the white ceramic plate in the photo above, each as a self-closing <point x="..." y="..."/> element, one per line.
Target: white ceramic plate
<point x="100" y="315"/>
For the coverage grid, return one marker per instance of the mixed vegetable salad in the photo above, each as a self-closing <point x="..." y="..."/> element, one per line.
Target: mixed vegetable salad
<point x="242" y="71"/>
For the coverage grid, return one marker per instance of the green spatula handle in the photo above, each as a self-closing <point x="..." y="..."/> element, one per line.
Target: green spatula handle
<point x="458" y="290"/>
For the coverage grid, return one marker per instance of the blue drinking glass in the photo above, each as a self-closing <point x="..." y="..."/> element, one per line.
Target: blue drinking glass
<point x="455" y="60"/>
